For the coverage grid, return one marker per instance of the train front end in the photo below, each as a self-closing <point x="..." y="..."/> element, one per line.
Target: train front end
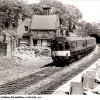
<point x="60" y="50"/>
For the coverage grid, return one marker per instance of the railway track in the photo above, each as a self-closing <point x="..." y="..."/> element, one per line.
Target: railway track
<point x="17" y="85"/>
<point x="49" y="88"/>
<point x="20" y="84"/>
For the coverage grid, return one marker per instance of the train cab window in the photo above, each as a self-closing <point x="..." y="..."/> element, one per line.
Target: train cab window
<point x="67" y="45"/>
<point x="54" y="46"/>
<point x="60" y="46"/>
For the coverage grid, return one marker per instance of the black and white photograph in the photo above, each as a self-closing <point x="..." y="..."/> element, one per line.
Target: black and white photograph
<point x="49" y="47"/>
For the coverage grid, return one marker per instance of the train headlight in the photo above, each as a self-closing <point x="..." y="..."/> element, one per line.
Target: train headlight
<point x="66" y="54"/>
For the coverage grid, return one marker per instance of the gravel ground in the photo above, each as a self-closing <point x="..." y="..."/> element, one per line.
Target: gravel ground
<point x="10" y="70"/>
<point x="58" y="75"/>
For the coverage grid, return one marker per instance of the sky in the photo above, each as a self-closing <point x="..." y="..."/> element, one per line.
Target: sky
<point x="89" y="8"/>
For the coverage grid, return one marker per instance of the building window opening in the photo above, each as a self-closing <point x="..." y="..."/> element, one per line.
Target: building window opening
<point x="35" y="42"/>
<point x="26" y="28"/>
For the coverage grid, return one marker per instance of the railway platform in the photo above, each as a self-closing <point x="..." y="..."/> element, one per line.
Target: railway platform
<point x="91" y="82"/>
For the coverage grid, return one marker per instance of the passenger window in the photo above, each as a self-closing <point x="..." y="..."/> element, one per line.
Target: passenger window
<point x="67" y="45"/>
<point x="26" y="28"/>
<point x="73" y="45"/>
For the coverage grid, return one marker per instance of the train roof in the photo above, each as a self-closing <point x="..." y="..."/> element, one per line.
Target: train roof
<point x="78" y="38"/>
<point x="74" y="38"/>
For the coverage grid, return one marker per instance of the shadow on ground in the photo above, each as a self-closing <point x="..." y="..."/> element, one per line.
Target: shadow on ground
<point x="57" y="65"/>
<point x="48" y="65"/>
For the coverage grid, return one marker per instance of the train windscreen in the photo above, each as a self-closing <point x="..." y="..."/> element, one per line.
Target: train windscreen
<point x="60" y="46"/>
<point x="63" y="46"/>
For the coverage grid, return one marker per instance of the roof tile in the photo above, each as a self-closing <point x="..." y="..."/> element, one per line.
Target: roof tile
<point x="44" y="22"/>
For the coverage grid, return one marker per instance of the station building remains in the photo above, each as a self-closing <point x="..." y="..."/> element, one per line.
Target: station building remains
<point x="7" y="42"/>
<point x="39" y="30"/>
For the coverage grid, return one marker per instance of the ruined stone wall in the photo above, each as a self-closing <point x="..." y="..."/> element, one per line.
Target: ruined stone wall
<point x="32" y="51"/>
<point x="3" y="49"/>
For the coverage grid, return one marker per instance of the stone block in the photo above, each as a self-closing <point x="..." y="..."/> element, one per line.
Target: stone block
<point x="98" y="75"/>
<point x="88" y="82"/>
<point x="91" y="74"/>
<point x="76" y="88"/>
<point x="97" y="66"/>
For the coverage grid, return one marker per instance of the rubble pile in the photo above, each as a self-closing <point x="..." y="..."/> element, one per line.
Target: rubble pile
<point x="26" y="53"/>
<point x="33" y="51"/>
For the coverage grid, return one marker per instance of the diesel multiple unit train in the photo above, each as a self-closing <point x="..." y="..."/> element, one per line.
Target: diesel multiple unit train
<point x="64" y="49"/>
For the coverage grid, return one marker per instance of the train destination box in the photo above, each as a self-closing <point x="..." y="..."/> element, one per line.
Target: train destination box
<point x="88" y="82"/>
<point x="75" y="88"/>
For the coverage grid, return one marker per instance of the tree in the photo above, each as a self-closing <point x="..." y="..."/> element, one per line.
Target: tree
<point x="69" y="15"/>
<point x="10" y="9"/>
<point x="89" y="28"/>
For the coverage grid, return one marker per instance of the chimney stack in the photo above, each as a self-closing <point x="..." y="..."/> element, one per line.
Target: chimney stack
<point x="46" y="9"/>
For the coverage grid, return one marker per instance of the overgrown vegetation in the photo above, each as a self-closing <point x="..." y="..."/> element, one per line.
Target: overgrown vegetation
<point x="69" y="14"/>
<point x="10" y="9"/>
<point x="89" y="28"/>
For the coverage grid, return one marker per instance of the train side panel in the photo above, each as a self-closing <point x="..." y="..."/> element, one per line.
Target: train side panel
<point x="78" y="45"/>
<point x="91" y="42"/>
<point x="77" y="48"/>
